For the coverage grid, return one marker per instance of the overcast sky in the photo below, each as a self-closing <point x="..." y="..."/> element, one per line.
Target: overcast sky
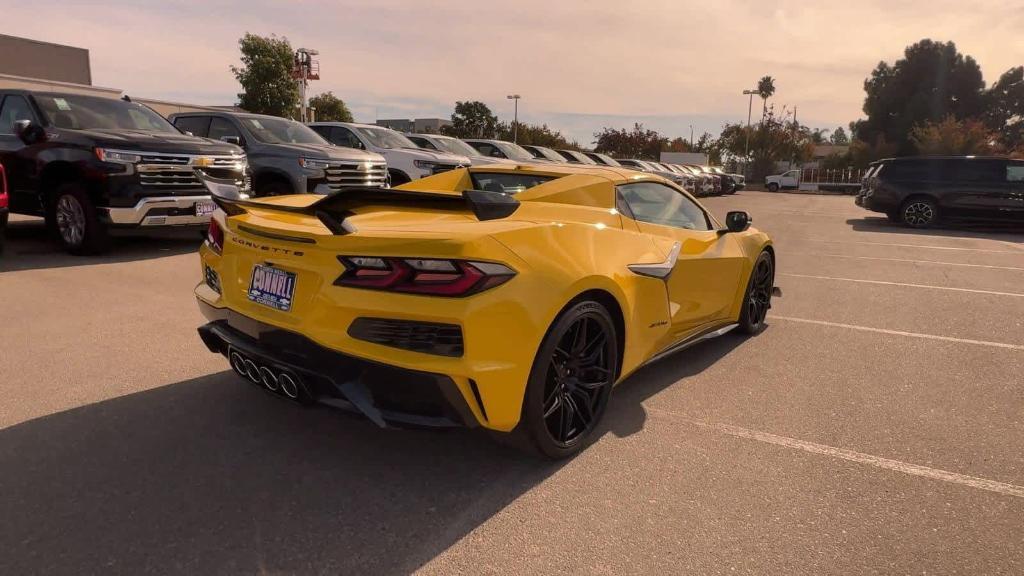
<point x="579" y="65"/>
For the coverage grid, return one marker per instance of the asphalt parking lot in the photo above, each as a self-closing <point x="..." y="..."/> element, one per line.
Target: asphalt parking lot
<point x="875" y="427"/>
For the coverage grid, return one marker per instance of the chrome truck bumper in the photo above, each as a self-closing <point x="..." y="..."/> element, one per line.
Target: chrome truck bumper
<point x="158" y="211"/>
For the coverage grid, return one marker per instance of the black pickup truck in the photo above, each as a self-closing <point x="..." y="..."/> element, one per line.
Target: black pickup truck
<point x="90" y="164"/>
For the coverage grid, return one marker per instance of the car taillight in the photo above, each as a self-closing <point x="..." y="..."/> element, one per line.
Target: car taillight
<point x="215" y="236"/>
<point x="429" y="276"/>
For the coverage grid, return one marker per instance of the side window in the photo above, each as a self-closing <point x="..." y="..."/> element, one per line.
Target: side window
<point x="1015" y="172"/>
<point x="197" y="125"/>
<point x="220" y="128"/>
<point x="422" y="142"/>
<point x="659" y="204"/>
<point x="489" y="150"/>
<point x="342" y="136"/>
<point x="14" y="108"/>
<point x="323" y="131"/>
<point x="980" y="171"/>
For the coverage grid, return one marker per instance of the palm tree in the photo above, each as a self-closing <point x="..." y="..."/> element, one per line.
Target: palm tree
<point x="765" y="89"/>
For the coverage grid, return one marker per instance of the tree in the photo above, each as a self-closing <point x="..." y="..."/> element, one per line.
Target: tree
<point x="818" y="135"/>
<point x="1004" y="109"/>
<point x="636" y="143"/>
<point x="772" y="141"/>
<point x="950" y="136"/>
<point x="330" y="108"/>
<point x="765" y="89"/>
<point x="839" y="137"/>
<point x="472" y="120"/>
<point x="933" y="80"/>
<point x="679" y="145"/>
<point x="265" y="75"/>
<point x="536" y="135"/>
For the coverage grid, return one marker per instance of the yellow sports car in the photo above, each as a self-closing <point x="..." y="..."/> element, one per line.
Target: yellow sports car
<point x="511" y="297"/>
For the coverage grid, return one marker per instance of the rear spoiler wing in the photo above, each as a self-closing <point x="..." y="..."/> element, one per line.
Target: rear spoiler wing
<point x="332" y="209"/>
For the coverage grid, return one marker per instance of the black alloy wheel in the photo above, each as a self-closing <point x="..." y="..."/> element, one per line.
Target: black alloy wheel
<point x="919" y="213"/>
<point x="571" y="381"/>
<point x="758" y="300"/>
<point x="75" y="221"/>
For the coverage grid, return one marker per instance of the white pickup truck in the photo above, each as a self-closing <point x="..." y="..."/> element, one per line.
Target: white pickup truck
<point x="406" y="160"/>
<point x="789" y="179"/>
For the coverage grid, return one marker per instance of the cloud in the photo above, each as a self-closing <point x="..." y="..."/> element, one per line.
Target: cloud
<point x="666" y="63"/>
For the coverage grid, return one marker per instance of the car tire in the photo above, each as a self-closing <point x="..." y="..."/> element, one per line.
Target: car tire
<point x="570" y="382"/>
<point x="397" y="178"/>
<point x="75" y="221"/>
<point x="919" y="212"/>
<point x="773" y="187"/>
<point x="758" y="298"/>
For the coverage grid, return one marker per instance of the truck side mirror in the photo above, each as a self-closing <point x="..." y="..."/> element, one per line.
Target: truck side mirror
<point x="29" y="132"/>
<point x="232" y="140"/>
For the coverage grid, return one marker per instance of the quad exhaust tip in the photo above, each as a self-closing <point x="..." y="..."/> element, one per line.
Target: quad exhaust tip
<point x="279" y="382"/>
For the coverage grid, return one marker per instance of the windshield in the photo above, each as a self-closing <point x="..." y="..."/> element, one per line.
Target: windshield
<point x="514" y="151"/>
<point x="384" y="138"/>
<point x="76" y="112"/>
<point x="550" y="154"/>
<point x="455" y="146"/>
<point x="281" y="131"/>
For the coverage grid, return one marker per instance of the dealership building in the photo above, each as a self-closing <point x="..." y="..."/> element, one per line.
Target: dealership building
<point x="43" y="66"/>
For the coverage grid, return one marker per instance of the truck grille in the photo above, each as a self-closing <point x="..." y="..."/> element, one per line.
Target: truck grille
<point x="368" y="175"/>
<point x="175" y="171"/>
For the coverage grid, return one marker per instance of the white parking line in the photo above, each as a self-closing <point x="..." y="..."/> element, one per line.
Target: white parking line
<point x="901" y="333"/>
<point x="904" y="284"/>
<point x="852" y="456"/>
<point x="932" y="262"/>
<point x="915" y="246"/>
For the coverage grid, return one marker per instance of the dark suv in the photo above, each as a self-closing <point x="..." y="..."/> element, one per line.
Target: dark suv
<point x="287" y="157"/>
<point x="918" y="191"/>
<point x="88" y="164"/>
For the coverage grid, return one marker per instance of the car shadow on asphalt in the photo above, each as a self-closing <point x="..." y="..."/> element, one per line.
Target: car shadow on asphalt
<point x="213" y="476"/>
<point x="29" y="246"/>
<point x="1006" y="232"/>
<point x="626" y="414"/>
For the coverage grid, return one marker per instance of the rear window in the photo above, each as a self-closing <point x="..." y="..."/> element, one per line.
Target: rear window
<point x="507" y="183"/>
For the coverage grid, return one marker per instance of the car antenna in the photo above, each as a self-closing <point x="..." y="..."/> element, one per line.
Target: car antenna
<point x="126" y="98"/>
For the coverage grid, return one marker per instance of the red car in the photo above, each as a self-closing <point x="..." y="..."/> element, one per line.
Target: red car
<point x="3" y="205"/>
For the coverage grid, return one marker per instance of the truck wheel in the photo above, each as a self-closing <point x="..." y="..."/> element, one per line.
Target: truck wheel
<point x="919" y="212"/>
<point x="77" y="226"/>
<point x="273" y="187"/>
<point x="773" y="187"/>
<point x="398" y="178"/>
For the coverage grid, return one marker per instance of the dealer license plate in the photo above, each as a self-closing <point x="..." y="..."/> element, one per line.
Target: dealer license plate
<point x="272" y="287"/>
<point x="205" y="208"/>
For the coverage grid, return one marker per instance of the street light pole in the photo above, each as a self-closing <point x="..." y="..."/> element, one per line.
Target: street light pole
<point x="691" y="136"/>
<point x="746" y="152"/>
<point x="515" y="121"/>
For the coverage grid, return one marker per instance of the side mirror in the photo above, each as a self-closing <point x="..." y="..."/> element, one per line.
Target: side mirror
<point x="29" y="132"/>
<point x="232" y="140"/>
<point x="737" y="221"/>
<point x="187" y="133"/>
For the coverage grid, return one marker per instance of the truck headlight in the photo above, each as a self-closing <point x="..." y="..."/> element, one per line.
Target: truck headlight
<point x="424" y="164"/>
<point x="118" y="156"/>
<point x="314" y="163"/>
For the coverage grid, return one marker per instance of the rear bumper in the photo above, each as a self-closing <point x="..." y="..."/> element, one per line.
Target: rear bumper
<point x="385" y="394"/>
<point x="158" y="211"/>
